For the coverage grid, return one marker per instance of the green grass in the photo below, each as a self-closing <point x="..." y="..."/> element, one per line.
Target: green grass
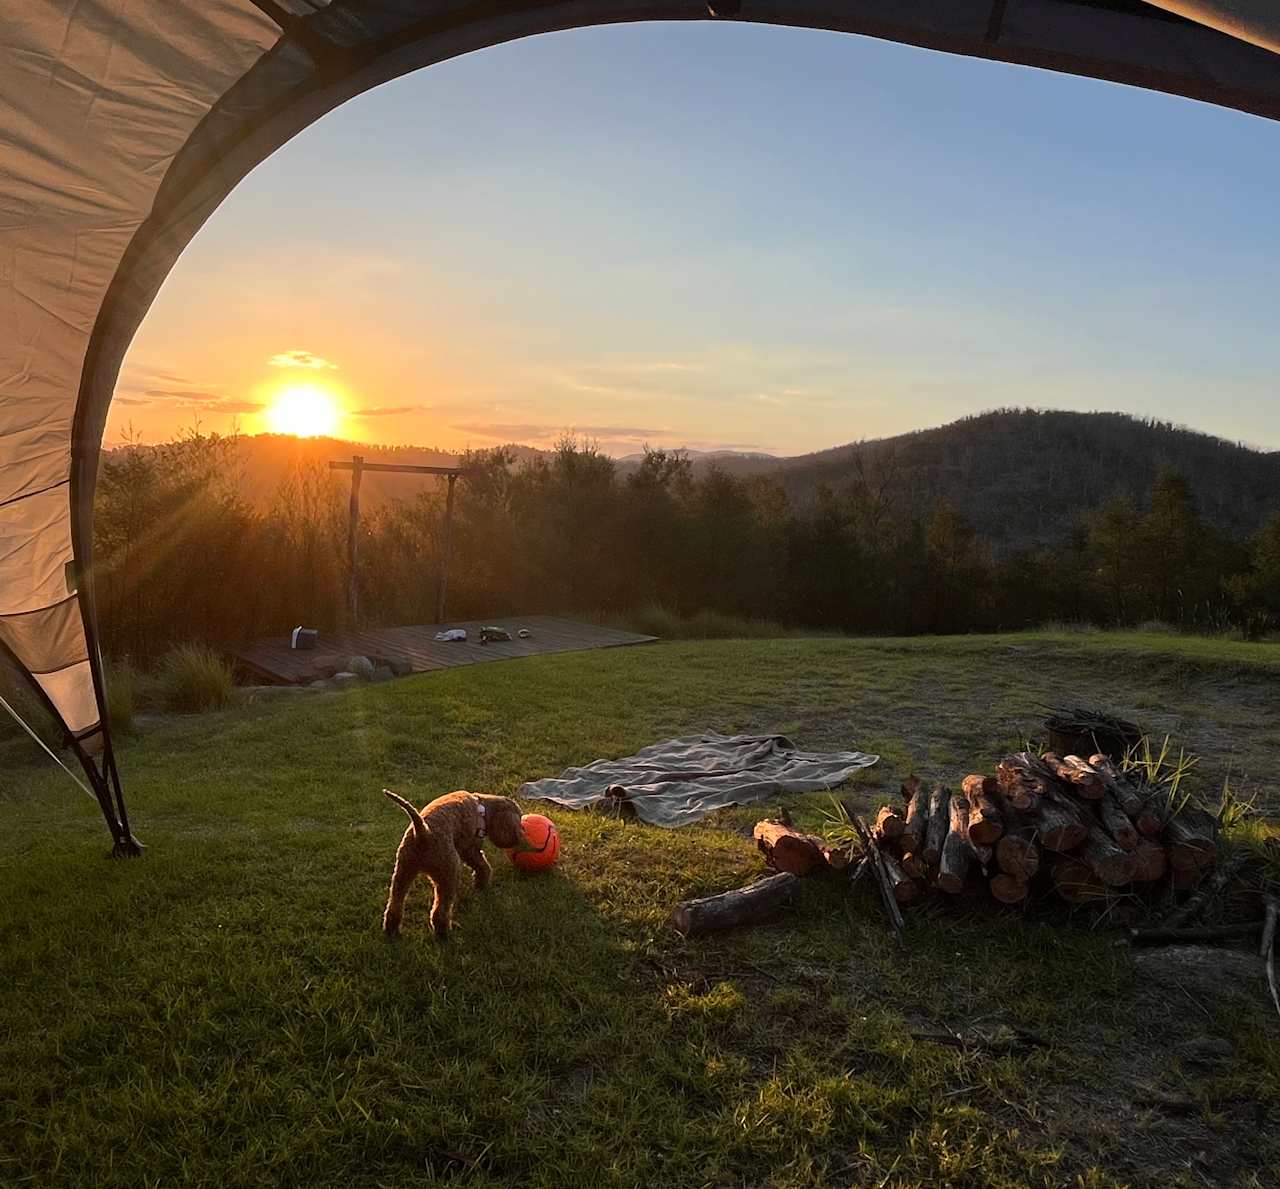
<point x="225" y="1011"/>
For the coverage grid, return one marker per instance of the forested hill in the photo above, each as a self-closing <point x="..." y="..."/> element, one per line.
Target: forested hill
<point x="1023" y="478"/>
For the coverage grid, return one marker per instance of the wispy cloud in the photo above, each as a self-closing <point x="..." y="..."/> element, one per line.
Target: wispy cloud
<point x="162" y="388"/>
<point x="386" y="410"/>
<point x="534" y="432"/>
<point x="303" y="359"/>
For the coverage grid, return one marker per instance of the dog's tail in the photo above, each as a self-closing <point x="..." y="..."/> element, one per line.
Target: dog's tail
<point x="420" y="828"/>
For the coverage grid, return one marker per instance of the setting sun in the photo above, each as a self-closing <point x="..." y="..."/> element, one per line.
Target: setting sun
<point x="304" y="410"/>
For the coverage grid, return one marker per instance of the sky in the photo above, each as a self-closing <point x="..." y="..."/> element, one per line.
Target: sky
<point x="726" y="236"/>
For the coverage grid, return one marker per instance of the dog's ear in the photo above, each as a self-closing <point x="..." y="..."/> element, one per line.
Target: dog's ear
<point x="504" y="823"/>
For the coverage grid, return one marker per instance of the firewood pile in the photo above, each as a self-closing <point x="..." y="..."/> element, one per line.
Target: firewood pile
<point x="1079" y="829"/>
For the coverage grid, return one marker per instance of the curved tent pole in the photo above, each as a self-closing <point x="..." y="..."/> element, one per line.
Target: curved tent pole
<point x="270" y="103"/>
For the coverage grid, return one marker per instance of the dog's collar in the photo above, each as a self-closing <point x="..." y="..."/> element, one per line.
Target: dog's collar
<point x="480" y="823"/>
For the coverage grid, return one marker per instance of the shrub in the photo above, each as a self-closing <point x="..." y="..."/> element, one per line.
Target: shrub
<point x="122" y="695"/>
<point x="656" y="620"/>
<point x="194" y="678"/>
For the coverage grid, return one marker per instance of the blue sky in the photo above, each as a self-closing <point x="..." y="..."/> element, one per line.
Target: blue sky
<point x="733" y="235"/>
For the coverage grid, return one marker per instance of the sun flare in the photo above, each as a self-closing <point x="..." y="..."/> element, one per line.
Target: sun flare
<point x="304" y="410"/>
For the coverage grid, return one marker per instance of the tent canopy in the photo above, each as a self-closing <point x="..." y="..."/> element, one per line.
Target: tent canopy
<point x="124" y="123"/>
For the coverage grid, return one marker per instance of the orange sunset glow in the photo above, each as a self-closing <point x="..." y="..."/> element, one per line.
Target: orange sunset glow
<point x="305" y="411"/>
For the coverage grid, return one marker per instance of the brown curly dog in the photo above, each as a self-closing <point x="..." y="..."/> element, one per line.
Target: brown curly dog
<point x="446" y="834"/>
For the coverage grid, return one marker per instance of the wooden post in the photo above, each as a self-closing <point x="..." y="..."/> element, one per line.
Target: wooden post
<point x="353" y="542"/>
<point x="357" y="466"/>
<point x="445" y="548"/>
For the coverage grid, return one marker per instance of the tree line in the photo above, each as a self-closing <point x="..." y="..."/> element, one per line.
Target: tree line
<point x="181" y="555"/>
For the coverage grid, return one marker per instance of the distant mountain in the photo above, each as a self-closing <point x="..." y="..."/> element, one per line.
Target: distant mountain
<point x="726" y="459"/>
<point x="268" y="459"/>
<point x="1023" y="477"/>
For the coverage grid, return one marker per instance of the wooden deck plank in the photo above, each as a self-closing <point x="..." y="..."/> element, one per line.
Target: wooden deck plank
<point x="417" y="647"/>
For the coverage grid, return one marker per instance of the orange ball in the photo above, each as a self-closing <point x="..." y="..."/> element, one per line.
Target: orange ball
<point x="542" y="847"/>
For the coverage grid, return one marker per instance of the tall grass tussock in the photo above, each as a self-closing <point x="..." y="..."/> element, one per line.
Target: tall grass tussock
<point x="193" y="678"/>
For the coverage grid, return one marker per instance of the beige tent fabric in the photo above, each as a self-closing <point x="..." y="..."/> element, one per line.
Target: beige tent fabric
<point x="123" y="124"/>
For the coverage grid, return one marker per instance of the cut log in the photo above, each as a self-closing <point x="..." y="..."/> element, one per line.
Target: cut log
<point x="936" y="831"/>
<point x="1017" y="852"/>
<point x="1059" y="822"/>
<point x="1075" y="881"/>
<point x="912" y="838"/>
<point x="889" y="823"/>
<point x="1196" y="904"/>
<point x="1123" y="832"/>
<point x="785" y="849"/>
<point x="985" y="821"/>
<point x="1149" y="861"/>
<point x="1008" y="889"/>
<point x="1106" y="860"/>
<point x="1021" y="779"/>
<point x="1072" y="770"/>
<point x="1190" y="835"/>
<point x="838" y="858"/>
<point x="953" y="864"/>
<point x="1152" y="815"/>
<point x="742" y="906"/>
<point x="1117" y="783"/>
<point x="913" y="866"/>
<point x="905" y="889"/>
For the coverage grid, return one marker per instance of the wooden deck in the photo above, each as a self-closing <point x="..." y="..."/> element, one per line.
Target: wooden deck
<point x="274" y="661"/>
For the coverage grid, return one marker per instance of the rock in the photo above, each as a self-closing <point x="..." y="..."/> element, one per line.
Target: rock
<point x="1212" y="974"/>
<point x="399" y="666"/>
<point x="273" y="693"/>
<point x="361" y="666"/>
<point x="380" y="674"/>
<point x="343" y="680"/>
<point x="1206" y="1050"/>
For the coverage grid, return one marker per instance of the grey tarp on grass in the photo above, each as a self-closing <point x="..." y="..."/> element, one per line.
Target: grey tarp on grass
<point x="124" y="123"/>
<point x="679" y="781"/>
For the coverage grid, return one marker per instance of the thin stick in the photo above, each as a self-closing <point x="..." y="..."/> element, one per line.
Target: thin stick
<point x="1269" y="930"/>
<point x="871" y="850"/>
<point x="1269" y="926"/>
<point x="1271" y="974"/>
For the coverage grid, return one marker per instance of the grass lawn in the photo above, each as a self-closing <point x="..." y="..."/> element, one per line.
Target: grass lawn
<point x="225" y="1010"/>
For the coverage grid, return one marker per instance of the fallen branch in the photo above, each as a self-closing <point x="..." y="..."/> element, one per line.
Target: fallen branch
<point x="1160" y="935"/>
<point x="741" y="906"/>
